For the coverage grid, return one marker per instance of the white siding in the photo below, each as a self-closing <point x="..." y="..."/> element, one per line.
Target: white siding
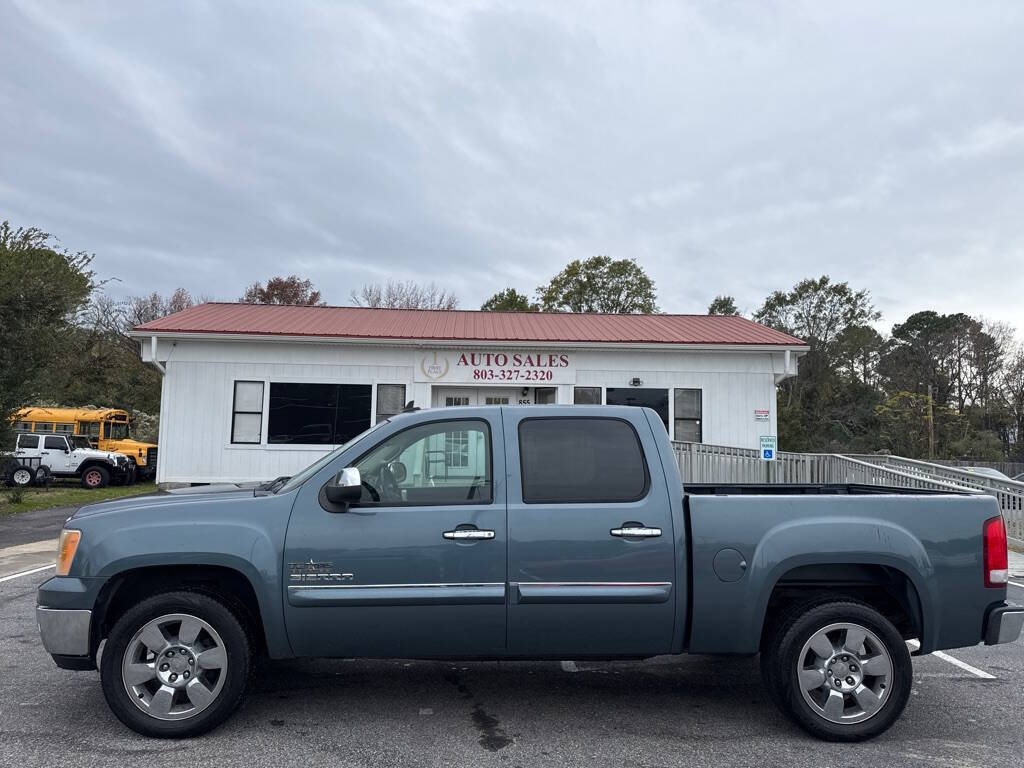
<point x="195" y="440"/>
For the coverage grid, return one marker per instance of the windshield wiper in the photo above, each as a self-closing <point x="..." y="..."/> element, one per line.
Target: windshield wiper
<point x="274" y="485"/>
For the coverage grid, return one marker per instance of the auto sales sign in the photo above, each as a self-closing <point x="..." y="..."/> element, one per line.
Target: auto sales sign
<point x="526" y="367"/>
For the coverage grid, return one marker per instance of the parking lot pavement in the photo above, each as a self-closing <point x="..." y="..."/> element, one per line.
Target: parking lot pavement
<point x="666" y="711"/>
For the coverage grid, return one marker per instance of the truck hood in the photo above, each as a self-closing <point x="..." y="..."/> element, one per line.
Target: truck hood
<point x="159" y="500"/>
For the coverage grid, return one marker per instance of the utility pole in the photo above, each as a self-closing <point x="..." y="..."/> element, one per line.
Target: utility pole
<point x="931" y="425"/>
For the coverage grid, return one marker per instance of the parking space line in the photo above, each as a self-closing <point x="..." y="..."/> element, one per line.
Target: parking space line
<point x="29" y="572"/>
<point x="1016" y="584"/>
<point x="955" y="662"/>
<point x="569" y="666"/>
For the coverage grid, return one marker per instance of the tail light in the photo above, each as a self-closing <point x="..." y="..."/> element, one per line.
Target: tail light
<point x="997" y="566"/>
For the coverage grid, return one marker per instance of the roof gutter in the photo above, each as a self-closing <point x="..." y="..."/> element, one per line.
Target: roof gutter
<point x="792" y="350"/>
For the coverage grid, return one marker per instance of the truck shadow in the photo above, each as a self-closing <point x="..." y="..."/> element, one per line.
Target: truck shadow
<point x="699" y="698"/>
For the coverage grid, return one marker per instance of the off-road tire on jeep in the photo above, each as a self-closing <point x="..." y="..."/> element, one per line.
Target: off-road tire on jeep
<point x="95" y="476"/>
<point x="191" y="625"/>
<point x="859" y="657"/>
<point x="22" y="476"/>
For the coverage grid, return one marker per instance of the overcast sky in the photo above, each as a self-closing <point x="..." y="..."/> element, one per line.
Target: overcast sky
<point x="730" y="147"/>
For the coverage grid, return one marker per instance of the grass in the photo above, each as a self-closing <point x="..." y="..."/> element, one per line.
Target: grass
<point x="65" y="495"/>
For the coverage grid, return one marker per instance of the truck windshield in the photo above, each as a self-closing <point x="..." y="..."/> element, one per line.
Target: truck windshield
<point x="296" y="480"/>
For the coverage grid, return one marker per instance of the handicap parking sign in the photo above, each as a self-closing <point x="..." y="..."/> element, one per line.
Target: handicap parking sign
<point x="769" y="445"/>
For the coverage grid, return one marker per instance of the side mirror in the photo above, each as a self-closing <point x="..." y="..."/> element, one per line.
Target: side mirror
<point x="345" y="488"/>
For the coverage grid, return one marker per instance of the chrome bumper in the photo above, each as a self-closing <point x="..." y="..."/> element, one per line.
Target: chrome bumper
<point x="1004" y="625"/>
<point x="64" y="633"/>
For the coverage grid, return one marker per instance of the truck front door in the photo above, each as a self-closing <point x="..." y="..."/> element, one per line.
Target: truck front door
<point x="417" y="567"/>
<point x="591" y="547"/>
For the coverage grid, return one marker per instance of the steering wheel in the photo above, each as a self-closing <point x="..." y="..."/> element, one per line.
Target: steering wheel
<point x="374" y="496"/>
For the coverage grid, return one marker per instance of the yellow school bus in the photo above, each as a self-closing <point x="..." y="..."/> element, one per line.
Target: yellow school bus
<point x="108" y="429"/>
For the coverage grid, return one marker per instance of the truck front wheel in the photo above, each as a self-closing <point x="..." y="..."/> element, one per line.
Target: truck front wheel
<point x="176" y="665"/>
<point x="840" y="670"/>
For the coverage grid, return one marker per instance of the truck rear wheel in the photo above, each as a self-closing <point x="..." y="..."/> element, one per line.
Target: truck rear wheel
<point x="840" y="670"/>
<point x="95" y="477"/>
<point x="176" y="665"/>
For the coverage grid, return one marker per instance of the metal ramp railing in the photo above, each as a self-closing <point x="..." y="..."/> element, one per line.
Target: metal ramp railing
<point x="703" y="463"/>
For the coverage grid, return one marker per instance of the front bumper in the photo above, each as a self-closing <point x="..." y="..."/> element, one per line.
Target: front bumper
<point x="1004" y="624"/>
<point x="64" y="632"/>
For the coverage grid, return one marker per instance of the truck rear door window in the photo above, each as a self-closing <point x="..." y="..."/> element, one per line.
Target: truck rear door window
<point x="581" y="460"/>
<point x="28" y="441"/>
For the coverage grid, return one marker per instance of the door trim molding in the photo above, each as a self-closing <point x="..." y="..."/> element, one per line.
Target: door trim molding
<point x="592" y="592"/>
<point x="340" y="595"/>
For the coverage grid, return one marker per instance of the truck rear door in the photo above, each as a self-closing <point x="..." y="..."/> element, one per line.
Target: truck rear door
<point x="591" y="559"/>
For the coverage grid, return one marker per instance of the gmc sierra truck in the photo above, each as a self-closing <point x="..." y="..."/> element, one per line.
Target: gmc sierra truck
<point x="562" y="532"/>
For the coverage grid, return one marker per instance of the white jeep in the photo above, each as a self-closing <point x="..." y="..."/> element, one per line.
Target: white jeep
<point x="68" y="456"/>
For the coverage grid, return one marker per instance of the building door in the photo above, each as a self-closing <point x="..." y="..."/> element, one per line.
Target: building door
<point x="447" y="397"/>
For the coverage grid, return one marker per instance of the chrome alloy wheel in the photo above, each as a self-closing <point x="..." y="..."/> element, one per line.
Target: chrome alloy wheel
<point x="845" y="673"/>
<point x="174" y="667"/>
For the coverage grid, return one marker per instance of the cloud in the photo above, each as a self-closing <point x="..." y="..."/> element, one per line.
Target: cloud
<point x="730" y="147"/>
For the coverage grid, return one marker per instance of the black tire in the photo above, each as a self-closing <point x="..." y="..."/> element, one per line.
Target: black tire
<point x="43" y="475"/>
<point x="238" y="668"/>
<point x="781" y="659"/>
<point x="89" y="472"/>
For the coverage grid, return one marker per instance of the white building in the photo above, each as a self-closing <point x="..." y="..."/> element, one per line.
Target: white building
<point x="251" y="392"/>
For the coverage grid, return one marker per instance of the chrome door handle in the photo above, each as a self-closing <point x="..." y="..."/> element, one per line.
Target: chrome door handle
<point x="639" y="533"/>
<point x="468" y="533"/>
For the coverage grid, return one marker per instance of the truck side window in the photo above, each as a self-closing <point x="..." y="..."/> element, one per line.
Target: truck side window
<point x="446" y="462"/>
<point x="55" y="444"/>
<point x="28" y="441"/>
<point x="581" y="460"/>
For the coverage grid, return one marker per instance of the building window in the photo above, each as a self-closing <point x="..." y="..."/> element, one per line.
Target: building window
<point x="547" y="395"/>
<point x="390" y="400"/>
<point x="317" y="414"/>
<point x="581" y="460"/>
<point x="456" y="449"/>
<point x="586" y="395"/>
<point x="247" y="412"/>
<point x="687" y="415"/>
<point x="655" y="399"/>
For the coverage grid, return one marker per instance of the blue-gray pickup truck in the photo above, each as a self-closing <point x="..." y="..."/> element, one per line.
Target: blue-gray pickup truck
<point x="556" y="532"/>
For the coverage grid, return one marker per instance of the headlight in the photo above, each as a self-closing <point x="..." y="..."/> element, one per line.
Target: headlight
<point x="67" y="545"/>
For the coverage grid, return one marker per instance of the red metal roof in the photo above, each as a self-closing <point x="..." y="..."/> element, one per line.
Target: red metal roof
<point x="464" y="325"/>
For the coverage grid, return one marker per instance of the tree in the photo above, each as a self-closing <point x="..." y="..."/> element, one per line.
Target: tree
<point x="723" y="305"/>
<point x="395" y="294"/>
<point x="817" y="311"/>
<point x="830" y="404"/>
<point x="509" y="300"/>
<point x="600" y="284"/>
<point x="904" y="425"/>
<point x="283" y="290"/>
<point x="42" y="291"/>
<point x="145" y="309"/>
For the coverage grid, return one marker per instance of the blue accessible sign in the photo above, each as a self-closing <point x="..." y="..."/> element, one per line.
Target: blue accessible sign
<point x="769" y="447"/>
